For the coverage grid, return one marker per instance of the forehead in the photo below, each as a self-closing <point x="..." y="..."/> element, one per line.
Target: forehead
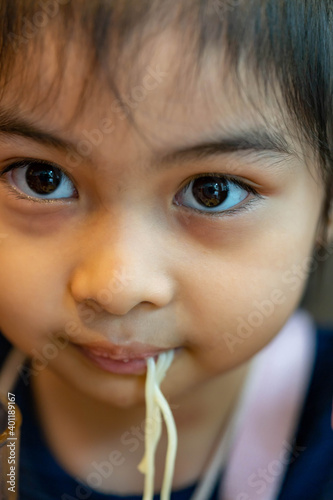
<point x="160" y="95"/>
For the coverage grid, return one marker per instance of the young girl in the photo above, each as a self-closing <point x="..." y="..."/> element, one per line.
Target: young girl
<point x="166" y="184"/>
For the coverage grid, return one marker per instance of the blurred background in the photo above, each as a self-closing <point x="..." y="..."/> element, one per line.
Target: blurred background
<point x="318" y="298"/>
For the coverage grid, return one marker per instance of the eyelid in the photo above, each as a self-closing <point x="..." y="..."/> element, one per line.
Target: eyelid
<point x="227" y="212"/>
<point x="24" y="163"/>
<point x="230" y="212"/>
<point x="18" y="194"/>
<point x="235" y="179"/>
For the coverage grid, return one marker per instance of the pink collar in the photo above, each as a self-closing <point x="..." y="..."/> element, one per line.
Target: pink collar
<point x="269" y="412"/>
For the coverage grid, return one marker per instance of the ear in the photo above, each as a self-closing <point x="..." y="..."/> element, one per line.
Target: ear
<point x="325" y="231"/>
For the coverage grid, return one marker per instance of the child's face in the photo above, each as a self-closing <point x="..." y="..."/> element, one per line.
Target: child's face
<point x="117" y="258"/>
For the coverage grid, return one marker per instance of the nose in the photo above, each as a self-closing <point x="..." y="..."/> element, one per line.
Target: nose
<point x="121" y="269"/>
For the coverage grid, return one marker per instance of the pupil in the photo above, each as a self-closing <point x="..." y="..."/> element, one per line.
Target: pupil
<point x="43" y="179"/>
<point x="210" y="191"/>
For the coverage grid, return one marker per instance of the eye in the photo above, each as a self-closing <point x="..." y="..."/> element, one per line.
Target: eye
<point x="213" y="193"/>
<point x="39" y="179"/>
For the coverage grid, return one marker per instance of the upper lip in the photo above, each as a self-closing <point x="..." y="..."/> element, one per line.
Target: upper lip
<point x="134" y="350"/>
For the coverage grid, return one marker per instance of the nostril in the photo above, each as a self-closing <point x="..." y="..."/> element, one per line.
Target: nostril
<point x="93" y="304"/>
<point x="88" y="312"/>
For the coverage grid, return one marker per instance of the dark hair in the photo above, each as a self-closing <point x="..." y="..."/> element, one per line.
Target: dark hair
<point x="288" y="42"/>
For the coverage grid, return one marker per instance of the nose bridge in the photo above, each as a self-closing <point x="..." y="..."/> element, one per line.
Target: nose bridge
<point x="121" y="266"/>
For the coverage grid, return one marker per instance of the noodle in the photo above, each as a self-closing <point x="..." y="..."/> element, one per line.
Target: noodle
<point x="156" y="404"/>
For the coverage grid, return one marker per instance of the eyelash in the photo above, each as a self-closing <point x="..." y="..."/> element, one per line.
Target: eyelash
<point x="17" y="195"/>
<point x="245" y="207"/>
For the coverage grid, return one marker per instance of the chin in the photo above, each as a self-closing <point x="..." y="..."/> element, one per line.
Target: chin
<point x="121" y="394"/>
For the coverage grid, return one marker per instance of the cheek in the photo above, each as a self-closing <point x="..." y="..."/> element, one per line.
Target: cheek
<point x="229" y="331"/>
<point x="29" y="293"/>
<point x="245" y="296"/>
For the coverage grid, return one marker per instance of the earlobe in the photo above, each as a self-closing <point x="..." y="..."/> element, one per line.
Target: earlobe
<point x="324" y="236"/>
<point x="325" y="230"/>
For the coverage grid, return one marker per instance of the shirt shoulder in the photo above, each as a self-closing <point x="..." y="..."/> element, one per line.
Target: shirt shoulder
<point x="310" y="470"/>
<point x="5" y="347"/>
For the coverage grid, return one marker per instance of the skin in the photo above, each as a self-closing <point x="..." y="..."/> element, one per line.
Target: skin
<point x="187" y="277"/>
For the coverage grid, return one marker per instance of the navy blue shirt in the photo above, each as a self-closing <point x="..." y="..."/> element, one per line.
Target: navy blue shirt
<point x="309" y="474"/>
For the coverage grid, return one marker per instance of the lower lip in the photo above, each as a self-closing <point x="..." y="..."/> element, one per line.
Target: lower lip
<point x="131" y="367"/>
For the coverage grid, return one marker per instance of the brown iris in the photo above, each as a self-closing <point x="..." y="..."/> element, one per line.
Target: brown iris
<point x="210" y="191"/>
<point x="43" y="179"/>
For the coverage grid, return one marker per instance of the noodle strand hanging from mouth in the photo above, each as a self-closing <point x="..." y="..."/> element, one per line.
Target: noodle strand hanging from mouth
<point x="157" y="406"/>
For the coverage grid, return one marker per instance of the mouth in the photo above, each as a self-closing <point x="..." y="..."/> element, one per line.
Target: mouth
<point x="123" y="360"/>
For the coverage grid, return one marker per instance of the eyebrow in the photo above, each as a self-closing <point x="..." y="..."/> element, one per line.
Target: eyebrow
<point x="255" y="140"/>
<point x="12" y="124"/>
